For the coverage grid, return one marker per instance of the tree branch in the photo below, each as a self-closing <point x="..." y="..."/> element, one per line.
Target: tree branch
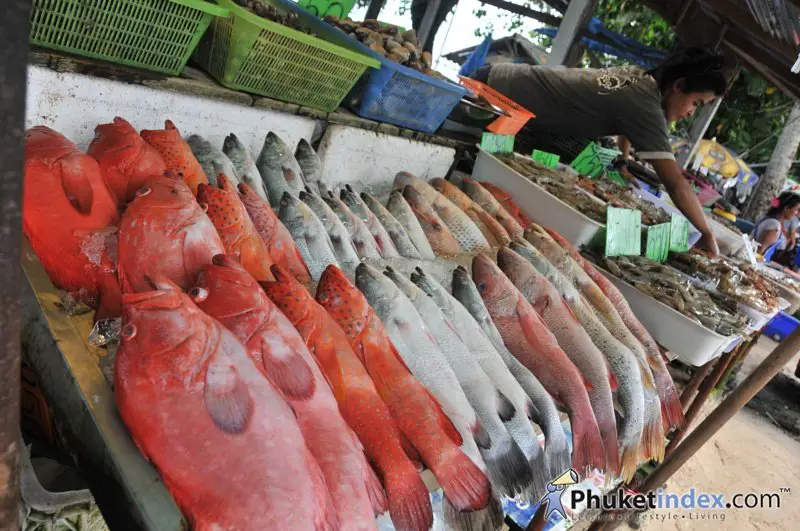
<point x="545" y="18"/>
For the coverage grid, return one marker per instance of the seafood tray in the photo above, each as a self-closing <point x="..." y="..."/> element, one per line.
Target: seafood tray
<point x="784" y="284"/>
<point x="540" y="205"/>
<point x="730" y="243"/>
<point x="690" y="341"/>
<point x="644" y="195"/>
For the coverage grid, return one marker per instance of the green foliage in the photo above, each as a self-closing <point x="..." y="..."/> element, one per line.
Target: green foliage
<point x="637" y="21"/>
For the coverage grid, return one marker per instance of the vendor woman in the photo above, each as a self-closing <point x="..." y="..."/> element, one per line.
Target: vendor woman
<point x="635" y="104"/>
<point x="770" y="232"/>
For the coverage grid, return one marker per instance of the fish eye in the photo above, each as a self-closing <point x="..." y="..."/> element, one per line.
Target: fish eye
<point x="358" y="325"/>
<point x="141" y="192"/>
<point x="204" y="206"/>
<point x="198" y="294"/>
<point x="322" y="297"/>
<point x="482" y="287"/>
<point x="128" y="331"/>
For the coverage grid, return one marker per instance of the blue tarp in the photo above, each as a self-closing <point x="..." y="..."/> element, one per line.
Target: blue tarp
<point x="477" y="58"/>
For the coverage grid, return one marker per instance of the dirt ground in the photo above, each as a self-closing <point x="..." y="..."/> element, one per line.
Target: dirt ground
<point x="750" y="454"/>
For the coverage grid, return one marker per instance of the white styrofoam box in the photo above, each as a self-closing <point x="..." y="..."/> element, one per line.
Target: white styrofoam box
<point x="73" y="104"/>
<point x="368" y="159"/>
<point x="692" y="342"/>
<point x="730" y="243"/>
<point x="540" y="205"/>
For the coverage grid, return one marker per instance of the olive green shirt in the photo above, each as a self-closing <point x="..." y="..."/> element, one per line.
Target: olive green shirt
<point x="589" y="103"/>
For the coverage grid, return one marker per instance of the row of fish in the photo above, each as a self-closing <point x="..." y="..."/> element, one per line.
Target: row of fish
<point x="221" y="337"/>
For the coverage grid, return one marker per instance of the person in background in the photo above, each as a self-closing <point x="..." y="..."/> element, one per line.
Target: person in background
<point x="769" y="232"/>
<point x="629" y="102"/>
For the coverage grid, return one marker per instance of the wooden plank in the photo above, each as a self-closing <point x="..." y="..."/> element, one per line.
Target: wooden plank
<point x="128" y="489"/>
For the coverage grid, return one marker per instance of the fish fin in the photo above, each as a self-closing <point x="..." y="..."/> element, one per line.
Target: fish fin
<point x="505" y="409"/>
<point x="377" y="497"/>
<point x="588" y="451"/>
<point x="490" y="517"/>
<point x="464" y="484"/>
<point x="226" y="396"/>
<point x="409" y="501"/>
<point x="110" y="296"/>
<point x="288" y="371"/>
<point x="629" y="461"/>
<point x="508" y="467"/>
<point x="671" y="409"/>
<point x="480" y="435"/>
<point x="653" y="438"/>
<point x="409" y="449"/>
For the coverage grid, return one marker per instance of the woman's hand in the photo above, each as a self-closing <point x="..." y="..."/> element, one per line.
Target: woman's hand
<point x="709" y="243"/>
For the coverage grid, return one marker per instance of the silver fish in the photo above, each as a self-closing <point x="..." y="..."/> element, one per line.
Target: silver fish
<point x="422" y="355"/>
<point x="359" y="208"/>
<point x="630" y="392"/>
<point x="308" y="233"/>
<point x="340" y="238"/>
<point x="311" y="167"/>
<point x="509" y="470"/>
<point x="482" y="350"/>
<point x="244" y="164"/>
<point x="469" y="236"/>
<point x="398" y="207"/>
<point x="556" y="450"/>
<point x="359" y="233"/>
<point x="393" y="227"/>
<point x="212" y="160"/>
<point x="279" y="170"/>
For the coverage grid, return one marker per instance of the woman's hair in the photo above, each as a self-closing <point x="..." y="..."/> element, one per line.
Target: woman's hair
<point x="699" y="68"/>
<point x="785" y="200"/>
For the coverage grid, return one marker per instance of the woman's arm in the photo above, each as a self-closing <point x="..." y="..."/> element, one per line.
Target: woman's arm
<point x="684" y="198"/>
<point x="766" y="239"/>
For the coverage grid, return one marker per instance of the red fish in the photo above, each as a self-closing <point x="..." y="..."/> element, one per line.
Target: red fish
<point x="164" y="232"/>
<point x="418" y="415"/>
<point x="509" y="204"/>
<point x="176" y="154"/>
<point x="125" y="159"/>
<point x="529" y="340"/>
<point x="671" y="409"/>
<point x="276" y="237"/>
<point x="359" y="401"/>
<point x="239" y="236"/>
<point x="228" y="293"/>
<point x="68" y="215"/>
<point x="223" y="438"/>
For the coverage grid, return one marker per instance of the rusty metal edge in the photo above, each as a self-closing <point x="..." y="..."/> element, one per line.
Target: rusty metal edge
<point x="81" y="398"/>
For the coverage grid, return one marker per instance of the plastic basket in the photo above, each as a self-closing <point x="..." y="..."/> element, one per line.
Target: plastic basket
<point x="323" y="8"/>
<point x="247" y="52"/>
<point x="157" y="35"/>
<point x="781" y="326"/>
<point x="517" y="117"/>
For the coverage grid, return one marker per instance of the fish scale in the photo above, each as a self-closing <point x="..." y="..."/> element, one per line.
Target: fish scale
<point x="494" y="232"/>
<point x="244" y="164"/>
<point x="365" y="244"/>
<point x="311" y="166"/>
<point x="176" y="154"/>
<point x="359" y="208"/>
<point x="308" y="233"/>
<point x="400" y="209"/>
<point x="340" y="237"/>
<point x="212" y="159"/>
<point x="279" y="170"/>
<point x="486" y="200"/>
<point x="393" y="227"/>
<point x="441" y="240"/>
<point x="630" y="392"/>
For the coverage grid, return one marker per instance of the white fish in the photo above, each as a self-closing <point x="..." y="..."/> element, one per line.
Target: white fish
<point x="481" y="348"/>
<point x="556" y="450"/>
<point x="509" y="470"/>
<point x="340" y="238"/>
<point x="311" y="167"/>
<point x="365" y="244"/>
<point x="212" y="160"/>
<point x="279" y="170"/>
<point x="393" y="227"/>
<point x="308" y="233"/>
<point x="398" y="207"/>
<point x="360" y="209"/>
<point x="244" y="164"/>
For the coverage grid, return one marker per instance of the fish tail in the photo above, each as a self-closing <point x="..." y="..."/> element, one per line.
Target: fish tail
<point x="630" y="460"/>
<point x="671" y="409"/>
<point x="653" y="438"/>
<point x="508" y="467"/>
<point x="409" y="501"/>
<point x="587" y="445"/>
<point x="466" y="486"/>
<point x="541" y="475"/>
<point x="487" y="519"/>
<point x="326" y="518"/>
<point x="608" y="431"/>
<point x="377" y="496"/>
<point x="557" y="458"/>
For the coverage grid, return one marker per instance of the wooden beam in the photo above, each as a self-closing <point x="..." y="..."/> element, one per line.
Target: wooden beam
<point x="545" y="18"/>
<point x="575" y="19"/>
<point x="743" y="19"/>
<point x="682" y="12"/>
<point x="765" y="64"/>
<point x="373" y="9"/>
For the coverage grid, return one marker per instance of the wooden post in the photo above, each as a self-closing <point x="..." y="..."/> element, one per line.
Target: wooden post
<point x="740" y="396"/>
<point x="694" y="382"/>
<point x="14" y="31"/>
<point x="575" y="19"/>
<point x="374" y="9"/>
<point x="702" y="396"/>
<point x="431" y="9"/>
<point x="740" y="356"/>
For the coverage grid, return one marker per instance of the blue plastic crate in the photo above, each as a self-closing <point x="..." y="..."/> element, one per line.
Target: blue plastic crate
<point x="781" y="326"/>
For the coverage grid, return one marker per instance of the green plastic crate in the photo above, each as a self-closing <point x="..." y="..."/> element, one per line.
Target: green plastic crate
<point x="157" y="35"/>
<point x="249" y="53"/>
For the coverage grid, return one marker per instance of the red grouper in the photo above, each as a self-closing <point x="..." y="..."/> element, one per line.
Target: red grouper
<point x="164" y="232"/>
<point x="280" y="245"/>
<point x="125" y="159"/>
<point x="671" y="409"/>
<point x="529" y="340"/>
<point x="359" y="402"/>
<point x="653" y="431"/>
<point x="69" y="216"/>
<point x="573" y="340"/>
<point x="222" y="437"/>
<point x="228" y="293"/>
<point x="417" y="413"/>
